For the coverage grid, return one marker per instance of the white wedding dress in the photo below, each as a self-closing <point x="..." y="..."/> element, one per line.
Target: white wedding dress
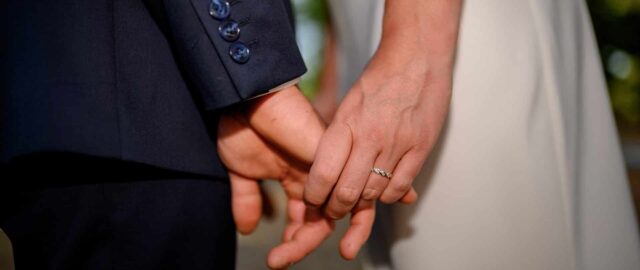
<point x="529" y="171"/>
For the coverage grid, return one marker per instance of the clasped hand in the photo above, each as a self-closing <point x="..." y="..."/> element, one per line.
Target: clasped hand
<point x="390" y="119"/>
<point x="276" y="137"/>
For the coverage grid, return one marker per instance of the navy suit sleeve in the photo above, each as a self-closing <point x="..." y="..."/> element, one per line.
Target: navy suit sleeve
<point x="232" y="51"/>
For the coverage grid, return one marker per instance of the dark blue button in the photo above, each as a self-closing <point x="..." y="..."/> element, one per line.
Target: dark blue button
<point x="229" y="30"/>
<point x="219" y="9"/>
<point x="239" y="52"/>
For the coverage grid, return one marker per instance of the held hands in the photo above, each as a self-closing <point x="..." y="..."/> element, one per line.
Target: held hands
<point x="390" y="119"/>
<point x="249" y="159"/>
<point x="276" y="138"/>
<point x="386" y="121"/>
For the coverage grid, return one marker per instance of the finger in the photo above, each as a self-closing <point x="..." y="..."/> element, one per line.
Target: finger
<point x="246" y="203"/>
<point x="376" y="183"/>
<point x="288" y="120"/>
<point x="411" y="197"/>
<point x="295" y="214"/>
<point x="309" y="237"/>
<point x="293" y="182"/>
<point x="347" y="191"/>
<point x="333" y="151"/>
<point x="405" y="173"/>
<point x="359" y="229"/>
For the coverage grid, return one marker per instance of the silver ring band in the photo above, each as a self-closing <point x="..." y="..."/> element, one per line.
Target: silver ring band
<point x="382" y="172"/>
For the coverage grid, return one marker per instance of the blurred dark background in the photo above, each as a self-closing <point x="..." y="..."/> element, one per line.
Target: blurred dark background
<point x="617" y="27"/>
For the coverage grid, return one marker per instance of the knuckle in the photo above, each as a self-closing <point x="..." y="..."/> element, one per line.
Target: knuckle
<point x="324" y="178"/>
<point x="334" y="214"/>
<point x="313" y="200"/>
<point x="387" y="199"/>
<point x="400" y="187"/>
<point x="389" y="196"/>
<point x="347" y="196"/>
<point x="370" y="194"/>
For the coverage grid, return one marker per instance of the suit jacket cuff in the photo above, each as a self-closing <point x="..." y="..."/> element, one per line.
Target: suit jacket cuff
<point x="273" y="55"/>
<point x="279" y="87"/>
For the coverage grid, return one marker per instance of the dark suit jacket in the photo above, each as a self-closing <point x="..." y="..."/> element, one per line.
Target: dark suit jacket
<point x="134" y="80"/>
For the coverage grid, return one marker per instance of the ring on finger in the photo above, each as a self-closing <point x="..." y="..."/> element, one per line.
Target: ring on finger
<point x="382" y="172"/>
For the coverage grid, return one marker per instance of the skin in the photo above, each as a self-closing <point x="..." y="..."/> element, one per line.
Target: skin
<point x="392" y="116"/>
<point x="390" y="119"/>
<point x="326" y="98"/>
<point x="275" y="137"/>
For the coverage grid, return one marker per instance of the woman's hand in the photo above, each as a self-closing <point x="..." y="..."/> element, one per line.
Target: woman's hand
<point x="392" y="116"/>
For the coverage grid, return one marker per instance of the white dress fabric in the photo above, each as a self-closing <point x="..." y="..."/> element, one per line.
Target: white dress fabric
<point x="528" y="173"/>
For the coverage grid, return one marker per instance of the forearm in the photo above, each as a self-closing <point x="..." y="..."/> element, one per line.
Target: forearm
<point x="419" y="36"/>
<point x="326" y="99"/>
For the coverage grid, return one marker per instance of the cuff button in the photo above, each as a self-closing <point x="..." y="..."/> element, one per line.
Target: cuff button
<point x="219" y="9"/>
<point x="239" y="52"/>
<point x="229" y="30"/>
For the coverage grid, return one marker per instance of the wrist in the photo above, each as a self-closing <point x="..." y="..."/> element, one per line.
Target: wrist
<point x="409" y="75"/>
<point x="422" y="30"/>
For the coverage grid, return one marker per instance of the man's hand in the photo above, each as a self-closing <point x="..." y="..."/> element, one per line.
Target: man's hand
<point x="249" y="158"/>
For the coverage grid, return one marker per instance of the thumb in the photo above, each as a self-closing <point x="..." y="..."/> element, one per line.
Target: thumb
<point x="246" y="203"/>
